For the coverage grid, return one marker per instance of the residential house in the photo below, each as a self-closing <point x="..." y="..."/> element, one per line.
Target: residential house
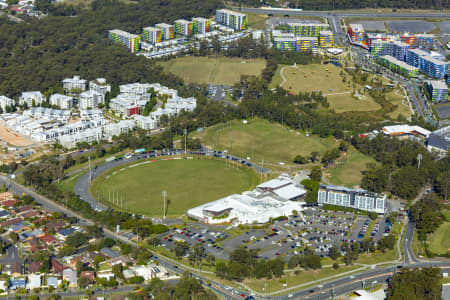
<point x="17" y="283"/>
<point x="108" y="252"/>
<point x="34" y="281"/>
<point x="53" y="282"/>
<point x="57" y="266"/>
<point x="71" y="277"/>
<point x="89" y="275"/>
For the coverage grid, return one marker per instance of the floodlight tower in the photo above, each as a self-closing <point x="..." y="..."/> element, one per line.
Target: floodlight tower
<point x="164" y="193"/>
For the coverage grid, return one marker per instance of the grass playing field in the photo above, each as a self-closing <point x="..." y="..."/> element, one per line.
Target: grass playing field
<point x="348" y="171"/>
<point x="188" y="182"/>
<point x="345" y="102"/>
<point x="439" y="242"/>
<point x="262" y="140"/>
<point x="220" y="70"/>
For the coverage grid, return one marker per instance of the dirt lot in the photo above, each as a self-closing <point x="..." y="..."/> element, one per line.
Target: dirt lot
<point x="12" y="138"/>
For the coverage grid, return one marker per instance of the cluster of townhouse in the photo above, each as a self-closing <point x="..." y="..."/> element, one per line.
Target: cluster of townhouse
<point x="169" y="39"/>
<point x="39" y="230"/>
<point x="21" y="7"/>
<point x="303" y="37"/>
<point x="68" y="127"/>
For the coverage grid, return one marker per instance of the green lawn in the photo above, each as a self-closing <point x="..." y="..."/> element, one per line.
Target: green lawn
<point x="220" y="70"/>
<point x="396" y="97"/>
<point x="348" y="171"/>
<point x="257" y="21"/>
<point x="345" y="102"/>
<point x="439" y="243"/>
<point x="270" y="141"/>
<point x="188" y="182"/>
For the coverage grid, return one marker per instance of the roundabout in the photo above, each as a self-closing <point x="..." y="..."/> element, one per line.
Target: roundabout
<point x="137" y="186"/>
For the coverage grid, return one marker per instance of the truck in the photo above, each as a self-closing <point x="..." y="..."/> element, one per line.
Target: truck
<point x="139" y="150"/>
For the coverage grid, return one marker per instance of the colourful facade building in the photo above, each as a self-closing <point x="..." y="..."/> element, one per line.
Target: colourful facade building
<point x="183" y="27"/>
<point x="289" y="42"/>
<point x="131" y="41"/>
<point x="356" y="35"/>
<point x="438" y="90"/>
<point x="326" y="39"/>
<point x="398" y="66"/>
<point x="408" y="39"/>
<point x="152" y="34"/>
<point x="201" y="25"/>
<point x="399" y="50"/>
<point x="167" y="30"/>
<point x="307" y="29"/>
<point x="232" y="19"/>
<point x="380" y="47"/>
<point x="431" y="66"/>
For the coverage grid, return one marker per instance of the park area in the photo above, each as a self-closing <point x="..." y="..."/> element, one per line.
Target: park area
<point x="219" y="70"/>
<point x="348" y="169"/>
<point x="188" y="182"/>
<point x="261" y="140"/>
<point x="439" y="243"/>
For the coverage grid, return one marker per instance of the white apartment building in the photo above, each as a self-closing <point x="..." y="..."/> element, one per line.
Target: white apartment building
<point x="91" y="114"/>
<point x="177" y="104"/>
<point x="62" y="101"/>
<point x="31" y="98"/>
<point x="69" y="129"/>
<point x="99" y="85"/>
<point x="74" y="83"/>
<point x="48" y="114"/>
<point x="89" y="135"/>
<point x="163" y="90"/>
<point x="5" y="101"/>
<point x="116" y="129"/>
<point x="134" y="89"/>
<point x="90" y="99"/>
<point x="147" y="123"/>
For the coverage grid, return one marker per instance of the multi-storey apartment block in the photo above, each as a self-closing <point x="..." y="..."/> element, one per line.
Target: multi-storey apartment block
<point x="75" y="83"/>
<point x="380" y="48"/>
<point x="152" y="35"/>
<point x="6" y="102"/>
<point x="326" y="39"/>
<point x="62" y="101"/>
<point x="398" y="66"/>
<point x="183" y="27"/>
<point x="399" y="50"/>
<point x="438" y="90"/>
<point x="90" y="99"/>
<point x="356" y="34"/>
<point x="31" y="98"/>
<point x="99" y="85"/>
<point x="289" y="42"/>
<point x="307" y="29"/>
<point x="201" y="25"/>
<point x="232" y="19"/>
<point x="353" y="198"/>
<point x="167" y="30"/>
<point x="131" y="41"/>
<point x="432" y="67"/>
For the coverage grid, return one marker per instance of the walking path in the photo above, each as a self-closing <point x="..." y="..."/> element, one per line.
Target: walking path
<point x="282" y="75"/>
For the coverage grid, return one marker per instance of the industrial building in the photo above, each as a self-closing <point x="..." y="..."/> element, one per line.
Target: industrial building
<point x="229" y="18"/>
<point x="152" y="35"/>
<point x="183" y="27"/>
<point x="438" y="90"/>
<point x="75" y="83"/>
<point x="61" y="101"/>
<point x="426" y="63"/>
<point x="307" y="29"/>
<point x="398" y="66"/>
<point x="131" y="41"/>
<point x="271" y="199"/>
<point x="201" y="25"/>
<point x="352" y="198"/>
<point x="31" y="98"/>
<point x="167" y="31"/>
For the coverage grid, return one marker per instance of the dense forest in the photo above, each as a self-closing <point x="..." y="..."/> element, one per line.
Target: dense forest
<point x="354" y="4"/>
<point x="39" y="53"/>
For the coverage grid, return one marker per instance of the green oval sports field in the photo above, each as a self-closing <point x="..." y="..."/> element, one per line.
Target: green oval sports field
<point x="188" y="182"/>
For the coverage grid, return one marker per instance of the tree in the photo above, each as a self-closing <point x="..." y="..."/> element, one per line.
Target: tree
<point x="300" y="160"/>
<point x="181" y="249"/>
<point x="334" y="253"/>
<point x="343" y="147"/>
<point x="415" y="284"/>
<point x="14" y="237"/>
<point x="373" y="215"/>
<point x="293" y="262"/>
<point x="316" y="174"/>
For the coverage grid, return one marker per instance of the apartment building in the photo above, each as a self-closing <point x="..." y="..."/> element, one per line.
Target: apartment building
<point x="75" y="83"/>
<point x="398" y="66"/>
<point x="131" y="41"/>
<point x="427" y="64"/>
<point x="352" y="198"/>
<point x="62" y="101"/>
<point x="48" y="114"/>
<point x="6" y="102"/>
<point x="326" y="39"/>
<point x="356" y="35"/>
<point x="201" y="25"/>
<point x="289" y="42"/>
<point x="307" y="29"/>
<point x="438" y="90"/>
<point x="99" y="85"/>
<point x="127" y="105"/>
<point x="34" y="98"/>
<point x="89" y="135"/>
<point x="116" y="129"/>
<point x="91" y="114"/>
<point x="90" y="99"/>
<point x="167" y="31"/>
<point x="183" y="27"/>
<point x="135" y="89"/>
<point x="147" y="123"/>
<point x="152" y="35"/>
<point x="229" y="18"/>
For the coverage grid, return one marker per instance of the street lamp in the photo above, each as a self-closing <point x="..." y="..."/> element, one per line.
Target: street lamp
<point x="164" y="193"/>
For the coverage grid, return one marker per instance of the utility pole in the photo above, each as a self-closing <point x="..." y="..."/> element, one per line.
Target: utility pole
<point x="90" y="174"/>
<point x="164" y="193"/>
<point x="185" y="141"/>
